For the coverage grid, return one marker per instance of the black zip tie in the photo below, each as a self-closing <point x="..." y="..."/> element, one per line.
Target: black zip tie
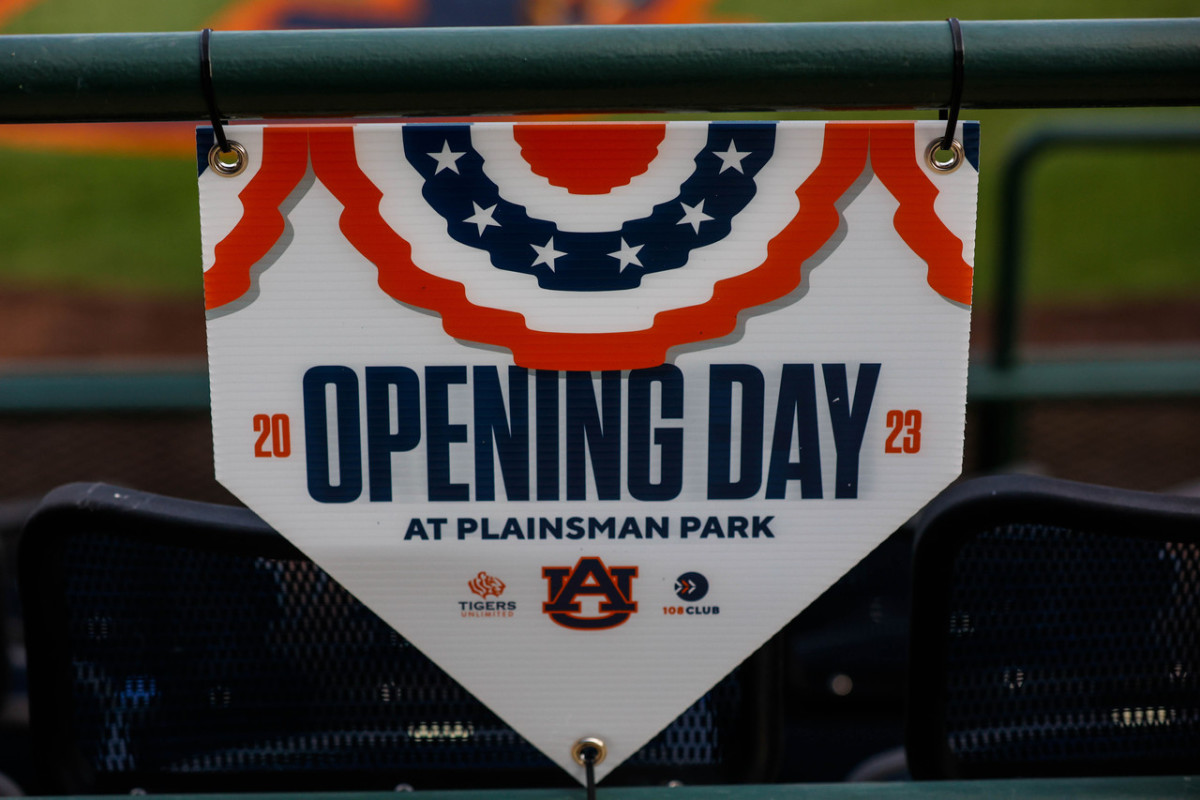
<point x="206" y="88"/>
<point x="589" y="755"/>
<point x="950" y="114"/>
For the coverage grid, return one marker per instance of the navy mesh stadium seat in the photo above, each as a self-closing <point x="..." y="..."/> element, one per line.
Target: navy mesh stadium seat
<point x="1055" y="632"/>
<point x="182" y="646"/>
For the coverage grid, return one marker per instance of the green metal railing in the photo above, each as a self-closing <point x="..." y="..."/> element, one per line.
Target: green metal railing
<point x="1008" y="64"/>
<point x="178" y="388"/>
<point x="126" y="390"/>
<point x="63" y="78"/>
<point x="1001" y="381"/>
<point x="1175" y="787"/>
<point x="151" y="77"/>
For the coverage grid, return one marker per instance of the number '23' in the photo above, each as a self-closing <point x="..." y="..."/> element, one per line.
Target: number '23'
<point x="906" y="431"/>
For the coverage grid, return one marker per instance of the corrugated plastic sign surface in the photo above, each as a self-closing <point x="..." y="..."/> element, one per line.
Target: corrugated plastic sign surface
<point x="589" y="412"/>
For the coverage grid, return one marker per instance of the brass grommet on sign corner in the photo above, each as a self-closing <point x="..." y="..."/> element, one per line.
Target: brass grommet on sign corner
<point x="957" y="156"/>
<point x="589" y="745"/>
<point x="217" y="159"/>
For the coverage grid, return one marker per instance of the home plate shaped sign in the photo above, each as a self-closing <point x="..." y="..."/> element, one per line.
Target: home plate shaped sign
<point x="587" y="412"/>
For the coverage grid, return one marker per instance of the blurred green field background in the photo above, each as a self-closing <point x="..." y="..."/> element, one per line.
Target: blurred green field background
<point x="1104" y="224"/>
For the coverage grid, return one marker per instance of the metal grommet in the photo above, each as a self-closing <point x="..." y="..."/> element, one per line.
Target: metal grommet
<point x="228" y="169"/>
<point x="586" y="744"/>
<point x="957" y="155"/>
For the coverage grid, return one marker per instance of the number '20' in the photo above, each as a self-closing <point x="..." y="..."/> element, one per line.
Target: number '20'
<point x="274" y="436"/>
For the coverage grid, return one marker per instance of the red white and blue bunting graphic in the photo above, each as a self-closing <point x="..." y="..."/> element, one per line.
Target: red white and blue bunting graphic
<point x="659" y="235"/>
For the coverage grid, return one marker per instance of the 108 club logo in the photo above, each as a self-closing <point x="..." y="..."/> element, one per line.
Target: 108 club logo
<point x="691" y="587"/>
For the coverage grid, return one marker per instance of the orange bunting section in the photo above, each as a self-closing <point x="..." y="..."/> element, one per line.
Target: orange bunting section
<point x="285" y="160"/>
<point x="893" y="156"/>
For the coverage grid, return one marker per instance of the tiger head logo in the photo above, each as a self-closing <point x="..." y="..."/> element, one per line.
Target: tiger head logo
<point x="484" y="585"/>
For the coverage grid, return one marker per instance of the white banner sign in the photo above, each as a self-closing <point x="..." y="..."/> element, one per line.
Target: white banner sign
<point x="589" y="412"/>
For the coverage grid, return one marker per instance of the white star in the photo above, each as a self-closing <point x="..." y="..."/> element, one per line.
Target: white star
<point x="627" y="255"/>
<point x="546" y="254"/>
<point x="693" y="215"/>
<point x="446" y="159"/>
<point x="482" y="218"/>
<point x="731" y="158"/>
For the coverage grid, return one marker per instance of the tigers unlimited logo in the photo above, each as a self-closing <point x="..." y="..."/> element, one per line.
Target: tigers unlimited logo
<point x="590" y="578"/>
<point x="485" y="586"/>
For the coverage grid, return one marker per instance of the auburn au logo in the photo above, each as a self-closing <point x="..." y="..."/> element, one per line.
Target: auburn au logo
<point x="590" y="577"/>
